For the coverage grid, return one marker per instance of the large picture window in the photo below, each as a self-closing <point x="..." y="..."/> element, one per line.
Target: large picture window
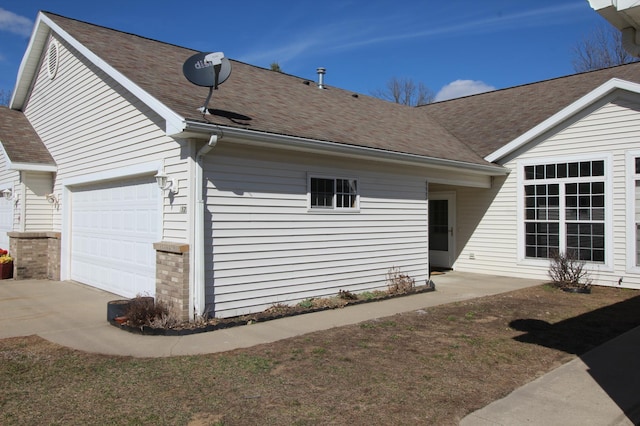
<point x="564" y="210"/>
<point x="636" y="210"/>
<point x="333" y="193"/>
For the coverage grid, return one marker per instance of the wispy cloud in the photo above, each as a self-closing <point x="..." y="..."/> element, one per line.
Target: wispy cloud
<point x="353" y="34"/>
<point x="15" y="24"/>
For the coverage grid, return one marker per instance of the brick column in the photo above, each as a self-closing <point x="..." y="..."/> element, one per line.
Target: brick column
<point x="36" y="255"/>
<point x="172" y="276"/>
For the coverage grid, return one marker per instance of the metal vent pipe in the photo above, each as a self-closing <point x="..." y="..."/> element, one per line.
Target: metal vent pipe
<point x="321" y="72"/>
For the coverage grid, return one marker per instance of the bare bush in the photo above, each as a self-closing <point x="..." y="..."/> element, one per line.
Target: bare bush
<point x="567" y="271"/>
<point x="399" y="283"/>
<point x="145" y="311"/>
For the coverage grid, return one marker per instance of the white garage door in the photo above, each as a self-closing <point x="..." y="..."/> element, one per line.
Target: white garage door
<point x="113" y="228"/>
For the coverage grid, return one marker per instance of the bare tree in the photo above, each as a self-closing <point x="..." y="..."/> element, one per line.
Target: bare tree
<point x="600" y="49"/>
<point x="405" y="91"/>
<point x="5" y="97"/>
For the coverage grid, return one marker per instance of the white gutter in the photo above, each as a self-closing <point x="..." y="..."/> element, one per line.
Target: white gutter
<point x="318" y="146"/>
<point x="197" y="290"/>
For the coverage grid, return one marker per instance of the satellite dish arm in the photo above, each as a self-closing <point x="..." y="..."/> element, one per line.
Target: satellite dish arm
<point x="215" y="59"/>
<point x="216" y="72"/>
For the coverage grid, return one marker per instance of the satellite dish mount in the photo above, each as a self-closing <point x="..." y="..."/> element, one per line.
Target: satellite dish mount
<point x="208" y="70"/>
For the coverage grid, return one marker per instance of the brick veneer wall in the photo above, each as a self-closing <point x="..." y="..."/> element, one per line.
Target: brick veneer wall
<point x="36" y="255"/>
<point x="172" y="276"/>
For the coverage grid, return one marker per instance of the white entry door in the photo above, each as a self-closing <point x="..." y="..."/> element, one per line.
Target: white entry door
<point x="113" y="228"/>
<point x="442" y="216"/>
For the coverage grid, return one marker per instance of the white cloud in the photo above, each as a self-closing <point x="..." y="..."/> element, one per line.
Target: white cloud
<point x="460" y="88"/>
<point x="15" y="24"/>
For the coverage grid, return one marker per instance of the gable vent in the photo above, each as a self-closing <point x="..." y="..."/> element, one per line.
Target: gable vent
<point x="52" y="59"/>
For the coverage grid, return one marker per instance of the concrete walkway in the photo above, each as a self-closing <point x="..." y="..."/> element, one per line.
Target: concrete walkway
<point x="600" y="388"/>
<point x="74" y="315"/>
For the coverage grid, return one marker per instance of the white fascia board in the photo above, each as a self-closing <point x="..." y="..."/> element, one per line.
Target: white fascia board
<point x="32" y="167"/>
<point x="175" y="123"/>
<point x="352" y="151"/>
<point x="29" y="64"/>
<point x="588" y="99"/>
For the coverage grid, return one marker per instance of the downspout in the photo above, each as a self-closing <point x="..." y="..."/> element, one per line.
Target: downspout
<point x="630" y="41"/>
<point x="199" y="249"/>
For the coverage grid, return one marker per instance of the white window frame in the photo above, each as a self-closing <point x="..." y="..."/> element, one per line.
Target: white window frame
<point x="631" y="178"/>
<point x="333" y="208"/>
<point x="607" y="266"/>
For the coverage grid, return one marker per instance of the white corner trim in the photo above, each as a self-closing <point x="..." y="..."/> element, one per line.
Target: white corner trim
<point x="174" y="122"/>
<point x="588" y="99"/>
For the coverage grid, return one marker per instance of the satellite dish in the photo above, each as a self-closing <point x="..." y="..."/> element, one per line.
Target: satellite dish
<point x="207" y="70"/>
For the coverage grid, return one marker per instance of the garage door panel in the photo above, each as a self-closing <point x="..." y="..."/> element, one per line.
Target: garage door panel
<point x="113" y="230"/>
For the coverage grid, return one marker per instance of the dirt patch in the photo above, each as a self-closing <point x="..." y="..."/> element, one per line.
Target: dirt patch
<point x="431" y="366"/>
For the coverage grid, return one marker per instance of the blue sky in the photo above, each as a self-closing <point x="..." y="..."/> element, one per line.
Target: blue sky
<point x="453" y="46"/>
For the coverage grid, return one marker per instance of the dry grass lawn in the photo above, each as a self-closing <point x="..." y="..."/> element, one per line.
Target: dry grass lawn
<point x="431" y="366"/>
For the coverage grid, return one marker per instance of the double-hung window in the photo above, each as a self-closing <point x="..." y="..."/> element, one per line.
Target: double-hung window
<point x="333" y="193"/>
<point x="564" y="210"/>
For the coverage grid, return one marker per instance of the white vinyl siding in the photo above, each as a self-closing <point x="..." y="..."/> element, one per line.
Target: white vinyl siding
<point x="39" y="214"/>
<point x="267" y="247"/>
<point x="91" y="125"/>
<point x="493" y="241"/>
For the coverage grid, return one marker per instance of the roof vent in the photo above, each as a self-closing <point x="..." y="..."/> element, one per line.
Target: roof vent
<point x="52" y="59"/>
<point x="321" y="72"/>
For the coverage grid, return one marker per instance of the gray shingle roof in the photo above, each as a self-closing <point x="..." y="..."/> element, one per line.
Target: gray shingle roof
<point x="263" y="100"/>
<point x="488" y="121"/>
<point x="20" y="141"/>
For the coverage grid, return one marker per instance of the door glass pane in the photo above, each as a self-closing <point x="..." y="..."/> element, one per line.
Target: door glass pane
<point x="439" y="225"/>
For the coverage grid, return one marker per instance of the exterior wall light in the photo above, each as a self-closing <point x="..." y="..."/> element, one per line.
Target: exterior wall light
<point x="8" y="194"/>
<point x="166" y="183"/>
<point x="52" y="199"/>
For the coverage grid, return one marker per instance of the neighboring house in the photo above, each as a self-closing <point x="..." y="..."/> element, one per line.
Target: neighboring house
<point x="286" y="191"/>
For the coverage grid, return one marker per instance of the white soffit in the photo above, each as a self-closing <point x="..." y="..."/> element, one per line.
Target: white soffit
<point x="619" y="13"/>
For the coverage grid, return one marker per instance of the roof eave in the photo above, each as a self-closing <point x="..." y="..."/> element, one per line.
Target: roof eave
<point x="193" y="128"/>
<point x="21" y="166"/>
<point x="572" y="109"/>
<point x="28" y="68"/>
<point x="32" y="167"/>
<point x="29" y="64"/>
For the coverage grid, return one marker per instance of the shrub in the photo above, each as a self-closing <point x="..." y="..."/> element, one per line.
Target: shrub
<point x="567" y="271"/>
<point x="145" y="311"/>
<point x="399" y="283"/>
<point x="346" y="295"/>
